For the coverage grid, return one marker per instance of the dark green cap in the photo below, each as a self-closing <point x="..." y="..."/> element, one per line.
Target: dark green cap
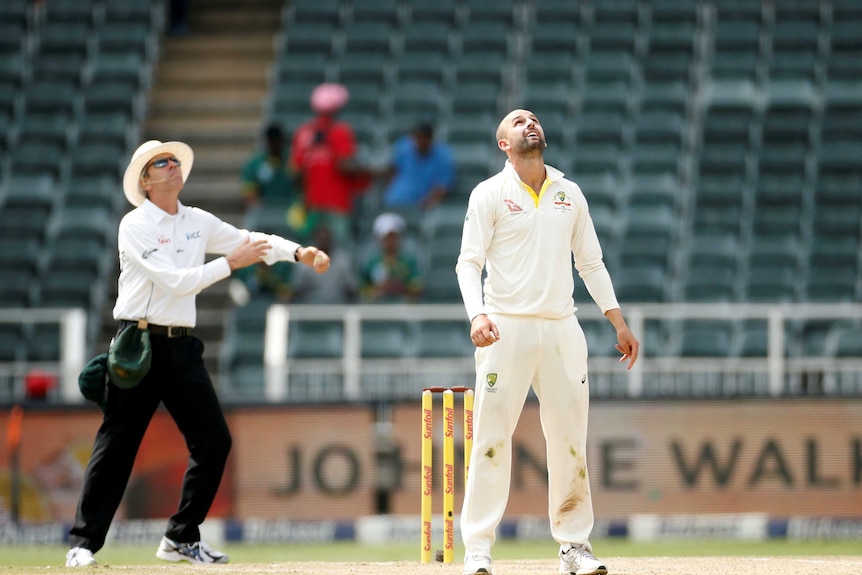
<point x="129" y="357"/>
<point x="93" y="379"/>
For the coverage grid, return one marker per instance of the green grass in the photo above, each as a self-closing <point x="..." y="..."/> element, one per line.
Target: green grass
<point x="35" y="556"/>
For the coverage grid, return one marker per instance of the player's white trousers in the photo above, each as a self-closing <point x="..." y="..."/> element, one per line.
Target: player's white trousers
<point x="550" y="355"/>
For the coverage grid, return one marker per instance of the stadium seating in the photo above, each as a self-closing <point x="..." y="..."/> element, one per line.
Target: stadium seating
<point x="717" y="142"/>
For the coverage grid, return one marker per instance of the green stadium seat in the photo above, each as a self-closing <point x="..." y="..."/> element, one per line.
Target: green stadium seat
<point x="368" y="37"/>
<point x="487" y="36"/>
<point x="428" y="37"/>
<point x="311" y="11"/>
<point x="309" y="38"/>
<point x="836" y="220"/>
<point x="845" y="342"/>
<point x="664" y="96"/>
<point x="111" y="127"/>
<point x="672" y="36"/>
<point x="143" y="11"/>
<point x="315" y="339"/>
<point x="65" y="38"/>
<point x="71" y="11"/>
<point x="375" y="11"/>
<point x="705" y="339"/>
<point x="124" y="37"/>
<point x="45" y="127"/>
<point x="442" y="11"/>
<point x="112" y="97"/>
<point x="444" y="339"/>
<point x="675" y="11"/>
<point x="668" y="65"/>
<point x="93" y="158"/>
<point x="546" y="12"/>
<point x="772" y="285"/>
<point x="16" y="290"/>
<point x="642" y="283"/>
<point x="735" y="65"/>
<point x="361" y="68"/>
<point x="16" y="12"/>
<point x="830" y="284"/>
<point x="502" y="11"/>
<point x="386" y="339"/>
<point x="125" y="67"/>
<point x="83" y="223"/>
<point x="51" y="97"/>
<point x="555" y="36"/>
<point x="67" y="288"/>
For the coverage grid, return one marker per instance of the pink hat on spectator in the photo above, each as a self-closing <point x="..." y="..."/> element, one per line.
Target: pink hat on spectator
<point x="329" y="98"/>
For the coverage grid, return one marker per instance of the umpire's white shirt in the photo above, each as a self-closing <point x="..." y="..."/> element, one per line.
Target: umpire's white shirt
<point x="526" y="239"/>
<point x="162" y="259"/>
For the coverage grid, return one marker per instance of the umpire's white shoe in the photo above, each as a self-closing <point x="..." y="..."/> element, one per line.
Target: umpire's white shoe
<point x="579" y="560"/>
<point x="197" y="552"/>
<point x="477" y="565"/>
<point x="80" y="557"/>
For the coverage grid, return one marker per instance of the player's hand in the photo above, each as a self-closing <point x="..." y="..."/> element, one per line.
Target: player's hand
<point x="314" y="258"/>
<point x="628" y="346"/>
<point x="249" y="252"/>
<point x="483" y="331"/>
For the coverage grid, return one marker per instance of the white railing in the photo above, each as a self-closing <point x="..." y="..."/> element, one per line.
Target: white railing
<point x="657" y="373"/>
<point x="72" y="346"/>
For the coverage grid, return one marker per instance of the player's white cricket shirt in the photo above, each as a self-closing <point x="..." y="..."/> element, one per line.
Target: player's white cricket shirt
<point x="526" y="241"/>
<point x="162" y="259"/>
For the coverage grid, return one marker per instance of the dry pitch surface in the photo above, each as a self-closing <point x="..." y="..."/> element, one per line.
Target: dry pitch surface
<point x="617" y="566"/>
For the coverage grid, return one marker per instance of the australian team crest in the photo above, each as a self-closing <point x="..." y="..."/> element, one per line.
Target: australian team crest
<point x="491" y="380"/>
<point x="562" y="202"/>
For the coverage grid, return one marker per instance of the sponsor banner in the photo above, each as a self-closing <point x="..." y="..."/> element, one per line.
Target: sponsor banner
<point x="310" y="462"/>
<point x="288" y="531"/>
<point x="55" y="448"/>
<point x="774" y="457"/>
<point x="34" y="534"/>
<point x="380" y="529"/>
<point x="819" y="528"/>
<point x="748" y="527"/>
<point x="539" y="528"/>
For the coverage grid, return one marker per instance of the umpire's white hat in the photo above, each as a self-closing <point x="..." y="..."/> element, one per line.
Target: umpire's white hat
<point x="142" y="156"/>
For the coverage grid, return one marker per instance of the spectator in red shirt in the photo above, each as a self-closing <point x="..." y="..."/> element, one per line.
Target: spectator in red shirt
<point x="323" y="157"/>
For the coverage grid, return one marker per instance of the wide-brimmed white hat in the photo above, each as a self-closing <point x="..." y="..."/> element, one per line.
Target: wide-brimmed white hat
<point x="388" y="223"/>
<point x="142" y="156"/>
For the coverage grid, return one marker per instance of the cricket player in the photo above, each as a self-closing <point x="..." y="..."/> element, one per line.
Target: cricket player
<point x="523" y="225"/>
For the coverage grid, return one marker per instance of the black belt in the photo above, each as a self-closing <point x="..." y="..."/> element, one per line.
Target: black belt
<point x="170" y="331"/>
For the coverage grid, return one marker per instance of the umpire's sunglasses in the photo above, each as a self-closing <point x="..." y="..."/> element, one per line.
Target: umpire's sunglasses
<point x="162" y="162"/>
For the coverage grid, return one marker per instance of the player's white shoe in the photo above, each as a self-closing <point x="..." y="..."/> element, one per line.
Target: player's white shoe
<point x="477" y="565"/>
<point x="197" y="552"/>
<point x="80" y="557"/>
<point x="579" y="560"/>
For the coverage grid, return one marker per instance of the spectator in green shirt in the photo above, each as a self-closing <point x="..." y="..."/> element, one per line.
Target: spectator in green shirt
<point x="265" y="176"/>
<point x="391" y="274"/>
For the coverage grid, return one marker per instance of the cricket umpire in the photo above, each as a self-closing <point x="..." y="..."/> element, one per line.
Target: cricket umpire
<point x="162" y="248"/>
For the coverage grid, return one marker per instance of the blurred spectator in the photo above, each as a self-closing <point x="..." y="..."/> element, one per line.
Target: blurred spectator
<point x="265" y="176"/>
<point x="422" y="170"/>
<point x="391" y="274"/>
<point x="341" y="283"/>
<point x="179" y="18"/>
<point x="323" y="157"/>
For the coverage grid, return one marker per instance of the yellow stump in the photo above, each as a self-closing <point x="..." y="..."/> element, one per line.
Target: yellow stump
<point x="468" y="432"/>
<point x="427" y="472"/>
<point x="448" y="476"/>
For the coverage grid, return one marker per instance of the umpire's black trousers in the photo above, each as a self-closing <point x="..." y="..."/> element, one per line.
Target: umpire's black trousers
<point x="179" y="379"/>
